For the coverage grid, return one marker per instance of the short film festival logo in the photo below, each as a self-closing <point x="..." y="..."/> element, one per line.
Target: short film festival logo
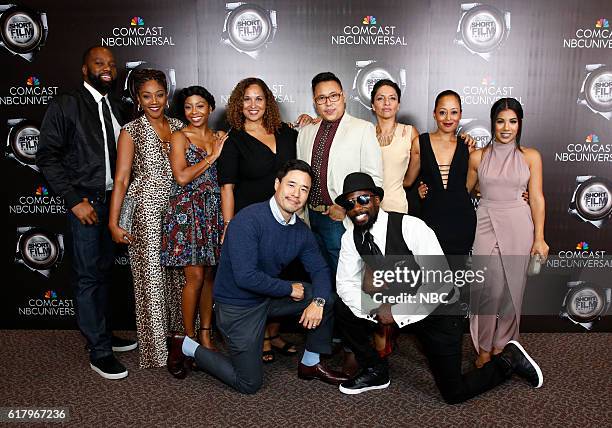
<point x="248" y="28"/>
<point x="138" y="34"/>
<point x="38" y="249"/>
<point x="22" y="31"/>
<point x="591" y="201"/>
<point x="591" y="150"/>
<point x="370" y="32"/>
<point x="22" y="141"/>
<point x="49" y="304"/>
<point x="482" y="29"/>
<point x="597" y="37"/>
<point x="596" y="89"/>
<point x="32" y="92"/>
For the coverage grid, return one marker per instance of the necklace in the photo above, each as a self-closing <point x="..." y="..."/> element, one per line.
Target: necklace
<point x="385" y="140"/>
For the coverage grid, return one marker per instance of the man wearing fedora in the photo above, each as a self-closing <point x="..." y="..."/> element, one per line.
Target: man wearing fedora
<point x="373" y="236"/>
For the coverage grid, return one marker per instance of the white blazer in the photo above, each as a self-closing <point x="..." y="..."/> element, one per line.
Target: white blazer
<point x="354" y="149"/>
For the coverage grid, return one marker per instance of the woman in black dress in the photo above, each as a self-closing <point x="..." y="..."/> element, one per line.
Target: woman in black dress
<point x="259" y="144"/>
<point x="442" y="160"/>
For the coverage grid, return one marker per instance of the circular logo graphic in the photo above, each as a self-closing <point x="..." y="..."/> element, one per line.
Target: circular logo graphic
<point x="585" y="303"/>
<point x="593" y="199"/>
<point x="21" y="30"/>
<point x="23" y="140"/>
<point x="598" y="89"/>
<point x="129" y="92"/>
<point x="39" y="249"/>
<point x="483" y="28"/>
<point x="479" y="131"/>
<point x="249" y="27"/>
<point x="367" y="78"/>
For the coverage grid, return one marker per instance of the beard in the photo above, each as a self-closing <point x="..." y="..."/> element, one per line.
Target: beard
<point x="367" y="225"/>
<point x="99" y="84"/>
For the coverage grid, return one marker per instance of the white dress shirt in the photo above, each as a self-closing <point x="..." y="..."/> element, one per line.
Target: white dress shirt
<point x="116" y="127"/>
<point x="278" y="216"/>
<point x="419" y="238"/>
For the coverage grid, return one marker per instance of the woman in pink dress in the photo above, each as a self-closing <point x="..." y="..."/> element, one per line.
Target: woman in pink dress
<point x="508" y="229"/>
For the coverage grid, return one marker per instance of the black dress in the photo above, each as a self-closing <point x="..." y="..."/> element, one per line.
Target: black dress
<point x="251" y="166"/>
<point x="449" y="212"/>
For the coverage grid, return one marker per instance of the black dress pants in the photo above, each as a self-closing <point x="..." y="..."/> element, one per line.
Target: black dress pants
<point x="442" y="339"/>
<point x="243" y="329"/>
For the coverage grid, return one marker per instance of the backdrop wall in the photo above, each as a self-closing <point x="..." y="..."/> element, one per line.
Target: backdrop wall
<point x="554" y="56"/>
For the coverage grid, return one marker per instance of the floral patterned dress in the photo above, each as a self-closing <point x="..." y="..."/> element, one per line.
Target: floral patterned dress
<point x="193" y="224"/>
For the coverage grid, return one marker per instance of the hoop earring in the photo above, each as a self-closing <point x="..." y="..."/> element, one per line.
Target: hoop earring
<point x="138" y="107"/>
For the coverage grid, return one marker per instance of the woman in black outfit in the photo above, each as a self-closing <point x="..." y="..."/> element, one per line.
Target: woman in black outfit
<point x="442" y="160"/>
<point x="259" y="143"/>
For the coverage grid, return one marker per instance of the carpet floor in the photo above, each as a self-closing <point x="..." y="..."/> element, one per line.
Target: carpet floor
<point x="50" y="369"/>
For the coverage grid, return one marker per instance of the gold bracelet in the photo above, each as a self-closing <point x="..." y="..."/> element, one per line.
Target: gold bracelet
<point x="206" y="160"/>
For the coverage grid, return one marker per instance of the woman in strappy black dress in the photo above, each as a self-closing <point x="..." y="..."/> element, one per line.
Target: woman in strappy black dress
<point x="442" y="160"/>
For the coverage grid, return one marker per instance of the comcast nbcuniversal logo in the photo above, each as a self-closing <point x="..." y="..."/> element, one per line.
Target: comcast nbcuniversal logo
<point x="596" y="37"/>
<point x="369" y="31"/>
<point x="136" y="33"/>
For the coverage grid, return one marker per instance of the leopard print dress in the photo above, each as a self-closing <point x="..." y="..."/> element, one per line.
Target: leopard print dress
<point x="157" y="290"/>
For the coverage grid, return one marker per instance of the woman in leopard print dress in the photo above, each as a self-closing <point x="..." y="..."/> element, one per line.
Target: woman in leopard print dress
<point x="142" y="155"/>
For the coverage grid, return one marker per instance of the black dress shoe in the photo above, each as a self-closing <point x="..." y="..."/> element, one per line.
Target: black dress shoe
<point x="366" y="380"/>
<point x="522" y="364"/>
<point x="176" y="359"/>
<point x="123" y="345"/>
<point x="320" y="372"/>
<point x="109" y="367"/>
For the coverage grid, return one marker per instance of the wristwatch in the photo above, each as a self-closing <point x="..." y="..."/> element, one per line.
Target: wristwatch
<point x="319" y="301"/>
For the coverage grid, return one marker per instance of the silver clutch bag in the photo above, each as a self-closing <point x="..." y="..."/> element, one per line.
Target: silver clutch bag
<point x="535" y="265"/>
<point x="126" y="216"/>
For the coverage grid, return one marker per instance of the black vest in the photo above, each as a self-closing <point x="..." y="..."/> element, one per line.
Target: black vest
<point x="397" y="253"/>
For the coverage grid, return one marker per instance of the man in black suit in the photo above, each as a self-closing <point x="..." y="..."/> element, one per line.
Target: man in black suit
<point x="77" y="154"/>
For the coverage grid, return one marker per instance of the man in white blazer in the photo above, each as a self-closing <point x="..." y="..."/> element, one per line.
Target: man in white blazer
<point x="335" y="147"/>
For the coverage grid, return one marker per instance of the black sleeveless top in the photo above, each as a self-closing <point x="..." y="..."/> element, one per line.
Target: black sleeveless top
<point x="449" y="212"/>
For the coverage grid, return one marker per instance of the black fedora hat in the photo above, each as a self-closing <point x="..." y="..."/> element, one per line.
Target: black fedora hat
<point x="358" y="181"/>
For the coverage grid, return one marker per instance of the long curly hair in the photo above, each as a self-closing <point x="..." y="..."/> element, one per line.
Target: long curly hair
<point x="271" y="118"/>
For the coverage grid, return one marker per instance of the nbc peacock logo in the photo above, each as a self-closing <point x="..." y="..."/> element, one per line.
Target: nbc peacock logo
<point x="137" y="21"/>
<point x="369" y="20"/>
<point x="42" y="191"/>
<point x="602" y="23"/>
<point x="582" y="245"/>
<point x="592" y="138"/>
<point x="487" y="81"/>
<point x="50" y="294"/>
<point x="33" y="81"/>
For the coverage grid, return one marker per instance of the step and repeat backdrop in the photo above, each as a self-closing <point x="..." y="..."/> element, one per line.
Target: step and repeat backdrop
<point x="554" y="56"/>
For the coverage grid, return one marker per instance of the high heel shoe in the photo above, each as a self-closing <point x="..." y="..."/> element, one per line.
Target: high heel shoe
<point x="390" y="332"/>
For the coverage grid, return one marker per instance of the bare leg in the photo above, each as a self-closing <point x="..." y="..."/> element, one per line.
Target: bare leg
<point x="194" y="278"/>
<point x="206" y="303"/>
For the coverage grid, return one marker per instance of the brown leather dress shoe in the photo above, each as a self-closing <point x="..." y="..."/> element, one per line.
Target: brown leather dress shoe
<point x="320" y="372"/>
<point x="176" y="358"/>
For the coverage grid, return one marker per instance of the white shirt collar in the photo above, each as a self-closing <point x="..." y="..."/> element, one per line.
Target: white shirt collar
<point x="94" y="92"/>
<point x="278" y="216"/>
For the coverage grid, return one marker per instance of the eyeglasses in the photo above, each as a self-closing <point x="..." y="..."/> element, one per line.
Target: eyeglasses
<point x="333" y="97"/>
<point x="362" y="200"/>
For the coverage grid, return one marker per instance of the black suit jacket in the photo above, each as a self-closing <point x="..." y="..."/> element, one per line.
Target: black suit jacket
<point x="71" y="146"/>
